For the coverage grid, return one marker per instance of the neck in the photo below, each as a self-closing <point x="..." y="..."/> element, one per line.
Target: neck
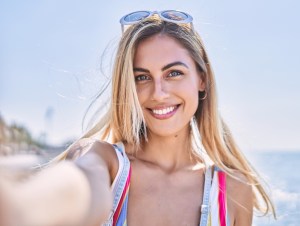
<point x="170" y="153"/>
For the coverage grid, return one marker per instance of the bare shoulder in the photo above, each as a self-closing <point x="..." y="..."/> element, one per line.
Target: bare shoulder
<point x="240" y="199"/>
<point x="88" y="152"/>
<point x="106" y="151"/>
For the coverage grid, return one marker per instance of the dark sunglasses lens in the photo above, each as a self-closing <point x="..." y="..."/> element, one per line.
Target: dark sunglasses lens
<point x="174" y="15"/>
<point x="136" y="16"/>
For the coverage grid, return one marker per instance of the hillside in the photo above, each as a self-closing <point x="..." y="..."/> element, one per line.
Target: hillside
<point x="17" y="139"/>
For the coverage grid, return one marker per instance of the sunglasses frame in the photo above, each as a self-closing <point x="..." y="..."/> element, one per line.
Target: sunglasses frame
<point x="188" y="20"/>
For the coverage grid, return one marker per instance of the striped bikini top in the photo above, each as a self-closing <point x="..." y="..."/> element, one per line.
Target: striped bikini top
<point x="213" y="209"/>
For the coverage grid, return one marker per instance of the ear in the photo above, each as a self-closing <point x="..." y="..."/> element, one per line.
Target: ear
<point x="202" y="85"/>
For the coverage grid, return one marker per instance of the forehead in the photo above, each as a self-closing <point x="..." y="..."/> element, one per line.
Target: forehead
<point x="160" y="50"/>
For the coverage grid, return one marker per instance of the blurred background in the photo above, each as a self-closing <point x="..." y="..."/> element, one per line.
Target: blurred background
<point x="56" y="55"/>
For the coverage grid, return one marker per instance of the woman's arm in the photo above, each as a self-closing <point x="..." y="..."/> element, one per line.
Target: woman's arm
<point x="240" y="200"/>
<point x="100" y="166"/>
<point x="67" y="193"/>
<point x="58" y="195"/>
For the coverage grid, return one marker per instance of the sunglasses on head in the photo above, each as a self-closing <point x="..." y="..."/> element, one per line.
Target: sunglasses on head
<point x="173" y="16"/>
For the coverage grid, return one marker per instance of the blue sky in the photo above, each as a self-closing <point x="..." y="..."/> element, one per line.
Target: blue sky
<point x="50" y="54"/>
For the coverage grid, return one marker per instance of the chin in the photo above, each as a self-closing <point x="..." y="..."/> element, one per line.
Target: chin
<point x="168" y="132"/>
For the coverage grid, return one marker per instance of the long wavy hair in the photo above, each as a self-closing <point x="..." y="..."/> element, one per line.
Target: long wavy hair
<point x="124" y="120"/>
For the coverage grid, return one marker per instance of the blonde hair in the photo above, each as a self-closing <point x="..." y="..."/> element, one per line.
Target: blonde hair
<point x="124" y="119"/>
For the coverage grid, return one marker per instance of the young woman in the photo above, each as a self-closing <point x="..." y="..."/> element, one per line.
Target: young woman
<point x="173" y="160"/>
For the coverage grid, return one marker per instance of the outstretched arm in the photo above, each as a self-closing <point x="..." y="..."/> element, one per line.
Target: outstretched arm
<point x="96" y="165"/>
<point x="68" y="193"/>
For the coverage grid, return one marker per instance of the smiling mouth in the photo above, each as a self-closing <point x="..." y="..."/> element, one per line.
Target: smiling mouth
<point x="164" y="112"/>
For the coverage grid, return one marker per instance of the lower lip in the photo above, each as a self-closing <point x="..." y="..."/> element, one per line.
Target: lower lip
<point x="164" y="116"/>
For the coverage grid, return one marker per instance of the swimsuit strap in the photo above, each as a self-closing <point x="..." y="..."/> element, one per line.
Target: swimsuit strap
<point x="206" y="194"/>
<point x="218" y="200"/>
<point x="214" y="206"/>
<point x="120" y="189"/>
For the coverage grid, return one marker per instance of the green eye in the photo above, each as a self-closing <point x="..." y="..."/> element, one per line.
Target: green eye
<point x="175" y="73"/>
<point x="139" y="78"/>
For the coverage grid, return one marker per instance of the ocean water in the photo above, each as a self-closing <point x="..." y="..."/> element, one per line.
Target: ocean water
<point x="280" y="170"/>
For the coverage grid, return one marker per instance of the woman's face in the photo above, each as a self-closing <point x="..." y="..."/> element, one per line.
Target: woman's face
<point x="168" y="83"/>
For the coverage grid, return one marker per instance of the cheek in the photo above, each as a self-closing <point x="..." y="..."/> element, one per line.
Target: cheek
<point x="142" y="94"/>
<point x="189" y="89"/>
<point x="190" y="96"/>
<point x="193" y="98"/>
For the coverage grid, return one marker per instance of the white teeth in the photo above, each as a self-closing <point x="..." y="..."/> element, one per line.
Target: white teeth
<point x="163" y="111"/>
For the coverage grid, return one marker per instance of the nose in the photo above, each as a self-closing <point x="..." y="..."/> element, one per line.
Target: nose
<point x="159" y="91"/>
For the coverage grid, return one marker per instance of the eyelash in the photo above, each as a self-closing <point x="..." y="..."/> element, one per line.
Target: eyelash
<point x="138" y="78"/>
<point x="178" y="73"/>
<point x="141" y="78"/>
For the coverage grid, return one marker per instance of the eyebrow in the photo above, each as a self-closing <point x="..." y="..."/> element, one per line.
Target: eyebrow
<point x="138" y="69"/>
<point x="174" y="64"/>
